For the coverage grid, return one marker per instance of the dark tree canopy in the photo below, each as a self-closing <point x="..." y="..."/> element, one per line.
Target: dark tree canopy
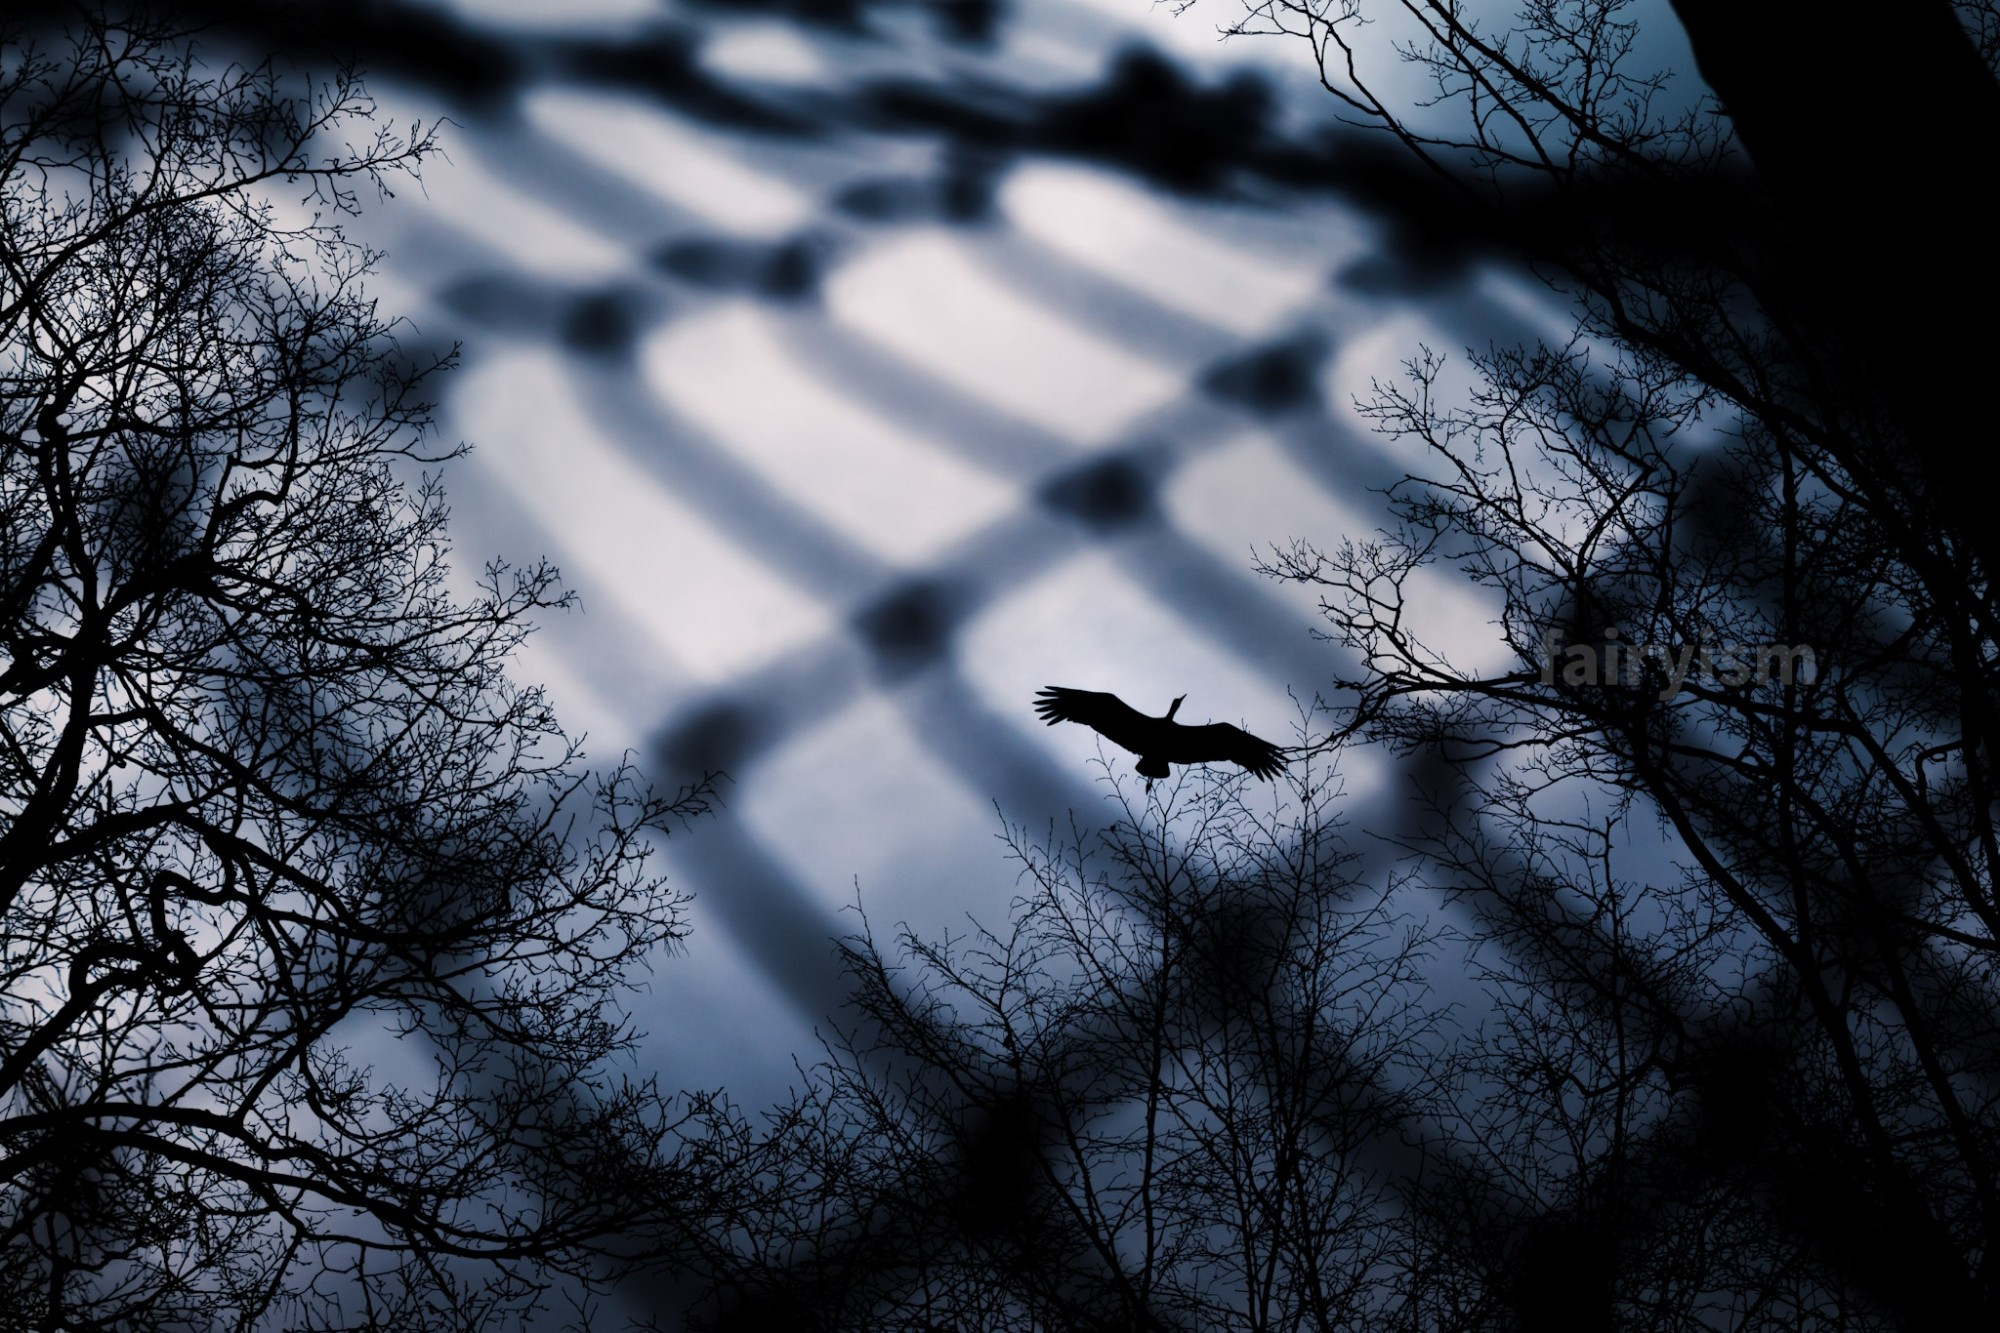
<point x="270" y="808"/>
<point x="1754" y="1067"/>
<point x="1155" y="1100"/>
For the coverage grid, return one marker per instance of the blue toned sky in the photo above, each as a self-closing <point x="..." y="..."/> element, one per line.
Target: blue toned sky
<point x="864" y="378"/>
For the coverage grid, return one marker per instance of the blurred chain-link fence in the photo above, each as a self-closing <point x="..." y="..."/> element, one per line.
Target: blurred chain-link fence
<point x="867" y="365"/>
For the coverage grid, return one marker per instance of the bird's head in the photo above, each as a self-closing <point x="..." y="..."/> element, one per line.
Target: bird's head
<point x="1174" y="707"/>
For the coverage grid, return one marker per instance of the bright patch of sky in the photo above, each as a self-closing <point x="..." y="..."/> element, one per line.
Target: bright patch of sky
<point x="918" y="842"/>
<point x="508" y="216"/>
<point x="712" y="608"/>
<point x="902" y="497"/>
<point x="927" y="299"/>
<point x="703" y="173"/>
<point x="608" y="727"/>
<point x="710" y="1019"/>
<point x="1248" y="495"/>
<point x="1134" y="237"/>
<point x="765" y="52"/>
<point x="1245" y="497"/>
<point x="1379" y="354"/>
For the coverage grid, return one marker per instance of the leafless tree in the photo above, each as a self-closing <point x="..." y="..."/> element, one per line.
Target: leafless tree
<point x="1742" y="1073"/>
<point x="312" y="928"/>
<point x="1158" y="1099"/>
<point x="1721" y="834"/>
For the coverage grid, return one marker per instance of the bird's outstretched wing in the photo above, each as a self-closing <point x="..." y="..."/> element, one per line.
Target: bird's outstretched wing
<point x="1220" y="741"/>
<point x="1106" y="714"/>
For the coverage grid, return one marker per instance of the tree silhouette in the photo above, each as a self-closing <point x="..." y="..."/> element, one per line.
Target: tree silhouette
<point x="1720" y="835"/>
<point x="1727" y="537"/>
<point x="271" y="813"/>
<point x="1158" y="1100"/>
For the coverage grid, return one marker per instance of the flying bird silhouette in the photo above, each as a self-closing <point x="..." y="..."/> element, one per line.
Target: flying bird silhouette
<point x="1158" y="741"/>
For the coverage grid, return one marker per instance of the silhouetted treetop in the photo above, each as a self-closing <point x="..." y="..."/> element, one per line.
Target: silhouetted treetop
<point x="271" y="809"/>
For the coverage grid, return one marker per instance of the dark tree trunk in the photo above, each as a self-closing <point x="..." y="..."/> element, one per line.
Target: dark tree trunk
<point x="1876" y="131"/>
